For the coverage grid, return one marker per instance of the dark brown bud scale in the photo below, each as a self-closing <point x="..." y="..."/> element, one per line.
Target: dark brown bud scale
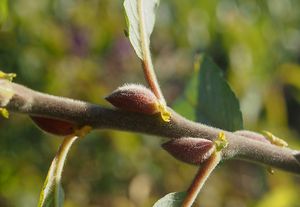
<point x="190" y="150"/>
<point x="135" y="98"/>
<point x="54" y="126"/>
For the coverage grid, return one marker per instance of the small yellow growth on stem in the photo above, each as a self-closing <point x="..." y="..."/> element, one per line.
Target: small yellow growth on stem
<point x="274" y="140"/>
<point x="4" y="112"/>
<point x="7" y="76"/>
<point x="268" y="138"/>
<point x="83" y="131"/>
<point x="164" y="113"/>
<point x="6" y="92"/>
<point x="221" y="142"/>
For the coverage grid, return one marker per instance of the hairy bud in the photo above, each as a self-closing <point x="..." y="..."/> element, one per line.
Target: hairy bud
<point x="135" y="98"/>
<point x="190" y="150"/>
<point x="54" y="126"/>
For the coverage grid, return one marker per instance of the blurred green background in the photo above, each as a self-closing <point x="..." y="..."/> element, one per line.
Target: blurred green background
<point x="77" y="48"/>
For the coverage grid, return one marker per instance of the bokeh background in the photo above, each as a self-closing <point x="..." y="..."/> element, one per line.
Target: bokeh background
<point x="77" y="48"/>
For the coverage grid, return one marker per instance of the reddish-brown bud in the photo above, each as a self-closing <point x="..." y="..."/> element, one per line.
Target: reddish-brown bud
<point x="54" y="126"/>
<point x="253" y="135"/>
<point x="190" y="150"/>
<point x="135" y="98"/>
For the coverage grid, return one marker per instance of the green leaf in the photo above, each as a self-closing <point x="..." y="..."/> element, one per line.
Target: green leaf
<point x="217" y="104"/>
<point x="3" y="11"/>
<point x="186" y="103"/>
<point x="171" y="200"/>
<point x="140" y="18"/>
<point x="52" y="194"/>
<point x="209" y="99"/>
<point x="55" y="200"/>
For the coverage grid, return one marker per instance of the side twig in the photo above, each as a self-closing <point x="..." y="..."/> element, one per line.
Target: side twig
<point x="53" y="180"/>
<point x="203" y="173"/>
<point x="147" y="64"/>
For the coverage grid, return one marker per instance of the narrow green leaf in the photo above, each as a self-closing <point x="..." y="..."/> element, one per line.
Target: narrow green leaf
<point x="171" y="200"/>
<point x="52" y="193"/>
<point x="209" y="99"/>
<point x="140" y="18"/>
<point x="55" y="200"/>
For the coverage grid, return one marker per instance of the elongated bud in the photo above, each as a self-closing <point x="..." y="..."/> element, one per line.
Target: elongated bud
<point x="54" y="126"/>
<point x="138" y="98"/>
<point x="135" y="98"/>
<point x="253" y="135"/>
<point x="190" y="150"/>
<point x="275" y="140"/>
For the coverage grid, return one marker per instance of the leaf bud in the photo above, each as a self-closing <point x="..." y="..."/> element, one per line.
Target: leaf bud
<point x="190" y="150"/>
<point x="135" y="98"/>
<point x="54" y="126"/>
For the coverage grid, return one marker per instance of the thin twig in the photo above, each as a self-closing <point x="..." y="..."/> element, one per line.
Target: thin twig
<point x="52" y="182"/>
<point x="203" y="173"/>
<point x="147" y="64"/>
<point x="61" y="158"/>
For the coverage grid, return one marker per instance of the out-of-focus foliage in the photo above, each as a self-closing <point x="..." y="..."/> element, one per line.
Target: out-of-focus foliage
<point x="78" y="49"/>
<point x="3" y="11"/>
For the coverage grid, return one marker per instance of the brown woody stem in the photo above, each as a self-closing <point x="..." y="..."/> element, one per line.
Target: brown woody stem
<point x="31" y="102"/>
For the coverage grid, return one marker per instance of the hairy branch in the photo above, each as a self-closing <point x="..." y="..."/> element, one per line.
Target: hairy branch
<point x="30" y="102"/>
